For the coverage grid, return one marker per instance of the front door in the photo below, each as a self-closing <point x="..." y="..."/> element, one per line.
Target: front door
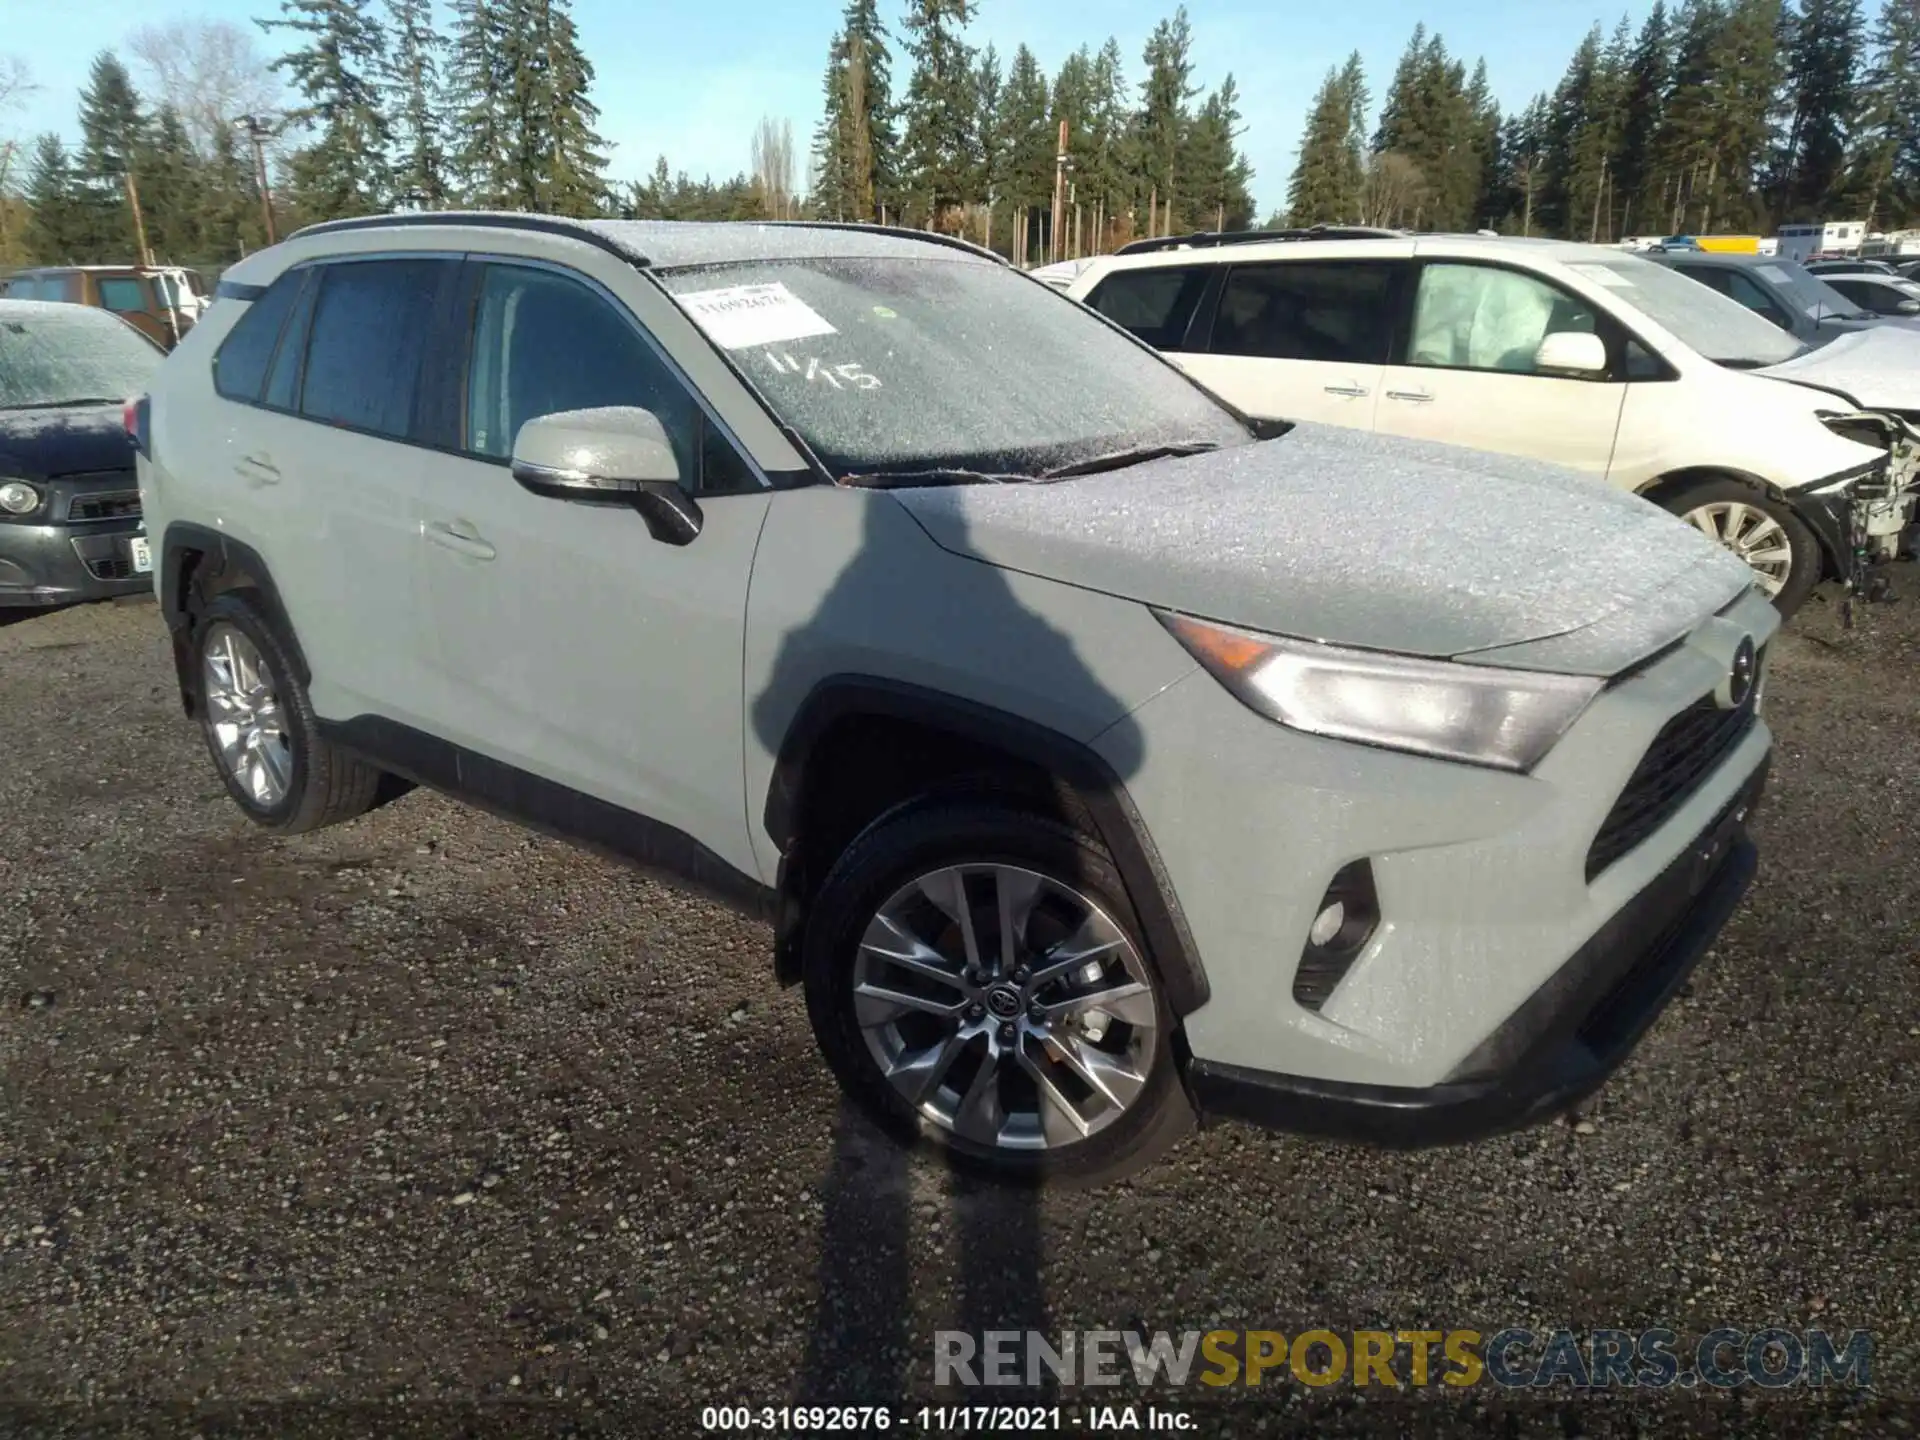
<point x="1302" y="340"/>
<point x="569" y="643"/>
<point x="1469" y="375"/>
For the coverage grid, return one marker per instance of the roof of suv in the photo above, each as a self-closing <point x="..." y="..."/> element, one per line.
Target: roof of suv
<point x="1350" y="247"/>
<point x="672" y="243"/>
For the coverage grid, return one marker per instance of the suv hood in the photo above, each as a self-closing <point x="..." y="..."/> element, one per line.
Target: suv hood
<point x="1877" y="368"/>
<point x="1353" y="539"/>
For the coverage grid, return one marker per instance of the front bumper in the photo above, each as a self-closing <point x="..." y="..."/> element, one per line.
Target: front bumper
<point x="60" y="564"/>
<point x="1558" y="1047"/>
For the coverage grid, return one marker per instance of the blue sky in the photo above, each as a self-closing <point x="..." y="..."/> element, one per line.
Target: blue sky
<point x="691" y="80"/>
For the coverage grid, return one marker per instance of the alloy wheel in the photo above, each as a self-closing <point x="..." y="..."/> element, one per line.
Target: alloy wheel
<point x="1752" y="534"/>
<point x="1005" y="1006"/>
<point x="244" y="716"/>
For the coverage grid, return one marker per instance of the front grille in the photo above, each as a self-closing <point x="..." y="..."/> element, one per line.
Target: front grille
<point x="1687" y="750"/>
<point x="114" y="505"/>
<point x="112" y="568"/>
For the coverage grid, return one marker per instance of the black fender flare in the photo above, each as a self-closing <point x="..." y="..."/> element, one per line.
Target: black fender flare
<point x="1091" y="780"/>
<point x="221" y="555"/>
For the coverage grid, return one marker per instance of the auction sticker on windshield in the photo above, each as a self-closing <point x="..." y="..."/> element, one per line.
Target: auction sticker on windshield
<point x="744" y="315"/>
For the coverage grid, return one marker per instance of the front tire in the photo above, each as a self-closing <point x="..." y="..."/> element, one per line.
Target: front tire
<point x="1773" y="542"/>
<point x="261" y="730"/>
<point x="976" y="980"/>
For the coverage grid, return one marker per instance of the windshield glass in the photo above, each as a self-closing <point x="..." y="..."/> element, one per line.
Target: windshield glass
<point x="1721" y="329"/>
<point x="1807" y="292"/>
<point x="60" y="354"/>
<point x="896" y="365"/>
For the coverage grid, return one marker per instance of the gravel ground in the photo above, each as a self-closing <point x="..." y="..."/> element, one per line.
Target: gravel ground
<point x="422" y="1126"/>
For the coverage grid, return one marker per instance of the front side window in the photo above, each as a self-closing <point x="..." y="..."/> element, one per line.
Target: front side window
<point x="123" y="296"/>
<point x="1750" y="293"/>
<point x="1155" y="304"/>
<point x="543" y="343"/>
<point x="1338" y="311"/>
<point x="903" y="365"/>
<point x="1474" y="317"/>
<point x="1712" y="324"/>
<point x="240" y="364"/>
<point x="369" y="334"/>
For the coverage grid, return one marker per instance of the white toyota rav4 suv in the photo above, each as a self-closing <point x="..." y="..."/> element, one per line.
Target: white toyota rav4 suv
<point x="1580" y="355"/>
<point x="1101" y="758"/>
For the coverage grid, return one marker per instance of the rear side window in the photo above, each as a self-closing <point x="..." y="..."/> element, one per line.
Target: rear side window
<point x="1156" y="305"/>
<point x="370" y="328"/>
<point x="1336" y="311"/>
<point x="240" y="365"/>
<point x="283" y="385"/>
<point x="123" y="296"/>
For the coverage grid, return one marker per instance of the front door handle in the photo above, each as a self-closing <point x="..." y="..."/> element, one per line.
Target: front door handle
<point x="1414" y="397"/>
<point x="1356" y="392"/>
<point x="460" y="538"/>
<point x="257" y="469"/>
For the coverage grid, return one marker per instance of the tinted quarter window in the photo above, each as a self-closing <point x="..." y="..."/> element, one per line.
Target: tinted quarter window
<point x="1336" y="311"/>
<point x="1156" y="305"/>
<point x="543" y="343"/>
<point x="1476" y="317"/>
<point x="283" y="385"/>
<point x="123" y="296"/>
<point x="240" y="365"/>
<point x="369" y="332"/>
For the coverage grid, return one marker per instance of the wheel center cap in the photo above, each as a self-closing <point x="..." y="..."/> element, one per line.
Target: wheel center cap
<point x="1003" y="1001"/>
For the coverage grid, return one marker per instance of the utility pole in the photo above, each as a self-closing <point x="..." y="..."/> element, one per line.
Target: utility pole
<point x="1062" y="162"/>
<point x="139" y="222"/>
<point x="258" y="133"/>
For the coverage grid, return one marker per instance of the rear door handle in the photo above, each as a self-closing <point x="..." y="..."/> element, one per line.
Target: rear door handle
<point x="1416" y="397"/>
<point x="258" y="469"/>
<point x="1357" y="392"/>
<point x="459" y="537"/>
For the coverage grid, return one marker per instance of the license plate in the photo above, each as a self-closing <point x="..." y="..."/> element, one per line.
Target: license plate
<point x="141" y="554"/>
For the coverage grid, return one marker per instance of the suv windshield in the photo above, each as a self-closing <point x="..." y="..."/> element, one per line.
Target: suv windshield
<point x="906" y="366"/>
<point x="1723" y="330"/>
<point x="70" y="355"/>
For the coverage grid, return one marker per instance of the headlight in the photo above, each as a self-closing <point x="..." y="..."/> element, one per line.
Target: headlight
<point x="1504" y="718"/>
<point x="17" y="497"/>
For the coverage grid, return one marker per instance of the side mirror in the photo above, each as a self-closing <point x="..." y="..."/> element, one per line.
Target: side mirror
<point x="1574" y="353"/>
<point x="1907" y="307"/>
<point x="619" y="455"/>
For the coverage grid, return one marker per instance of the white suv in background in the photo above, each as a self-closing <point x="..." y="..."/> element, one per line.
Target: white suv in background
<point x="1098" y="755"/>
<point x="1588" y="357"/>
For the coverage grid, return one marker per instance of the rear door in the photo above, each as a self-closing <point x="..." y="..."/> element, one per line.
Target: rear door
<point x="1468" y="374"/>
<point x="1303" y="339"/>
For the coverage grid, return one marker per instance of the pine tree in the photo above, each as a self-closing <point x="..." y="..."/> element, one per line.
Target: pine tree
<point x="1887" y="170"/>
<point x="1428" y="118"/>
<point x="335" y="69"/>
<point x="113" y="133"/>
<point x="172" y="194"/>
<point x="1325" y="188"/>
<point x="939" y="107"/>
<point x="1101" y="150"/>
<point x="1822" y="102"/>
<point x="1160" y="128"/>
<point x="230" y="219"/>
<point x="59" y="230"/>
<point x="988" y="87"/>
<point x="1488" y="156"/>
<point x="858" y="118"/>
<point x="571" y="167"/>
<point x="1643" y="107"/>
<point x="413" y="97"/>
<point x="480" y="90"/>
<point x="1026" y="149"/>
<point x="1219" y="175"/>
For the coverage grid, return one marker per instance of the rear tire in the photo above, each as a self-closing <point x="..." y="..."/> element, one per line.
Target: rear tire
<point x="1774" y="542"/>
<point x="261" y="729"/>
<point x="1017" y="1073"/>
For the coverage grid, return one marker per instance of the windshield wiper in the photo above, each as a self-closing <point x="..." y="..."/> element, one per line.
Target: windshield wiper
<point x="910" y="479"/>
<point x="1121" y="459"/>
<point x="67" y="404"/>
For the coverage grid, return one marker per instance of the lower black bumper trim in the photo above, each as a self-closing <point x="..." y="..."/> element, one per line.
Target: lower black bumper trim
<point x="1558" y="1047"/>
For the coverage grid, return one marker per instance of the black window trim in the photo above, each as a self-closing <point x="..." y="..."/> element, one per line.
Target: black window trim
<point x="273" y="350"/>
<point x="1400" y="289"/>
<point x="461" y="331"/>
<point x="1617" y="333"/>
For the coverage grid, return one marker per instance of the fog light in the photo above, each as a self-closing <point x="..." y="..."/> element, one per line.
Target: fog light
<point x="19" y="498"/>
<point x="1349" y="915"/>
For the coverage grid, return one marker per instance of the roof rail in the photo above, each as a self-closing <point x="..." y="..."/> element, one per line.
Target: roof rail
<point x="497" y="219"/>
<point x="930" y="237"/>
<point x="1206" y="239"/>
